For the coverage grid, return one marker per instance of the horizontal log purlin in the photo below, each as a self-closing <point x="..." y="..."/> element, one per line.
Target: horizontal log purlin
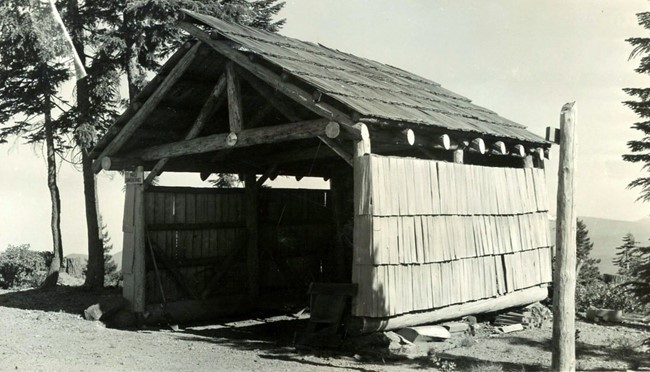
<point x="147" y="108"/>
<point x="297" y="94"/>
<point x="248" y="137"/>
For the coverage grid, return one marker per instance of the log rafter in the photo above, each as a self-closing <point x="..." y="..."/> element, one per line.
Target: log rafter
<point x="212" y="105"/>
<point x="274" y="80"/>
<point x="147" y="108"/>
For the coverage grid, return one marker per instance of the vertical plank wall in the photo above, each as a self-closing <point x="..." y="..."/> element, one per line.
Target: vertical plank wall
<point x="202" y="233"/>
<point x="430" y="234"/>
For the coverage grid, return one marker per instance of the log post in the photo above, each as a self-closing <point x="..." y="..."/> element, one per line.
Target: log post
<point x="252" y="251"/>
<point x="133" y="226"/>
<point x="565" y="264"/>
<point x="528" y="161"/>
<point x="458" y="156"/>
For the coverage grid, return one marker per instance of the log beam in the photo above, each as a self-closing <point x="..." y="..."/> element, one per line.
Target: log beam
<point x="235" y="116"/>
<point x="519" y="150"/>
<point x="265" y="176"/>
<point x="212" y="105"/>
<point x="362" y="146"/>
<point x="247" y="137"/>
<point x="147" y="108"/>
<point x="477" y="145"/>
<point x="338" y="149"/>
<point x="498" y="148"/>
<point x="394" y="137"/>
<point x="436" y="141"/>
<point x="361" y="325"/>
<point x="294" y="92"/>
<point x="280" y="104"/>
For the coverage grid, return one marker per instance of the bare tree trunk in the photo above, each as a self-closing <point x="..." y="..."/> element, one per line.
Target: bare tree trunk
<point x="55" y="222"/>
<point x="95" y="268"/>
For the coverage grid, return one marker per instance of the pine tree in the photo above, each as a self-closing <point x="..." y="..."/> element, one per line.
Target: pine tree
<point x="641" y="106"/>
<point x="587" y="266"/>
<point x="640" y="148"/>
<point x="31" y="72"/>
<point x="628" y="258"/>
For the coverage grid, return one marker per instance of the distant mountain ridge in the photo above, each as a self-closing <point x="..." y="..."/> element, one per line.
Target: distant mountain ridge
<point x="607" y="234"/>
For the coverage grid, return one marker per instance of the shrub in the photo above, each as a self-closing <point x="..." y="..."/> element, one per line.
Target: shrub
<point x="21" y="267"/>
<point x="605" y="296"/>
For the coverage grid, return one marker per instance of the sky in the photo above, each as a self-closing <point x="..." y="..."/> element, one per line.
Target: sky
<point x="522" y="59"/>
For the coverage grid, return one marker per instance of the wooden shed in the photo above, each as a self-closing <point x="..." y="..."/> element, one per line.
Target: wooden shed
<point x="437" y="207"/>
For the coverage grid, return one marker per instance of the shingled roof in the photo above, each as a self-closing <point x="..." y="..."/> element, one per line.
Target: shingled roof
<point x="370" y="88"/>
<point x="239" y="97"/>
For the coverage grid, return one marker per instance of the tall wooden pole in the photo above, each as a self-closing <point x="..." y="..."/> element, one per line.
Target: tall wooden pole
<point x="564" y="280"/>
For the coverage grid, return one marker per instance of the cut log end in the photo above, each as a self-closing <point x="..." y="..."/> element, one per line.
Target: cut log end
<point x="332" y="130"/>
<point x="499" y="148"/>
<point x="106" y="163"/>
<point x="231" y="140"/>
<point x="519" y="150"/>
<point x="444" y="142"/>
<point x="477" y="145"/>
<point x="410" y="136"/>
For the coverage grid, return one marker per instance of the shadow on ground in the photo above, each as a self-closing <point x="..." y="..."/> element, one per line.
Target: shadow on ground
<point x="617" y="350"/>
<point x="73" y="300"/>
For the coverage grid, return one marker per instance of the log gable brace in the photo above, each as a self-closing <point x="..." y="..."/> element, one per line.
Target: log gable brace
<point x="147" y="108"/>
<point x="274" y="80"/>
<point x="211" y="105"/>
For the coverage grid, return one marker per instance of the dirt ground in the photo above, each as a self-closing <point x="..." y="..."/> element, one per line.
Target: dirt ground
<point x="44" y="330"/>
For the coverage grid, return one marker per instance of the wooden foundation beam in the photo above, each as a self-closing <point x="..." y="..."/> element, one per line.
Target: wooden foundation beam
<point x="362" y="325"/>
<point x="247" y="137"/>
<point x="147" y="108"/>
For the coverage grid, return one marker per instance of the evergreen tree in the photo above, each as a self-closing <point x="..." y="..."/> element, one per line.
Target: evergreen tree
<point x="587" y="266"/>
<point x="640" y="148"/>
<point x="31" y="73"/>
<point x="641" y="106"/>
<point x="628" y="257"/>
